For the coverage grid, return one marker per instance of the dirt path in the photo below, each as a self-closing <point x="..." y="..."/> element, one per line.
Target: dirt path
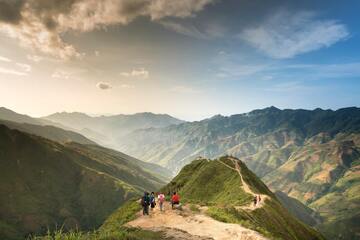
<point x="246" y="187"/>
<point x="186" y="224"/>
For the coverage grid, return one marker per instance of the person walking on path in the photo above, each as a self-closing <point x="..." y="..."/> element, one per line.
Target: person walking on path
<point x="152" y="200"/>
<point x="145" y="202"/>
<point x="161" y="199"/>
<point x="175" y="200"/>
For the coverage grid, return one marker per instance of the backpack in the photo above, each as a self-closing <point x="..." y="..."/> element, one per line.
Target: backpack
<point x="143" y="201"/>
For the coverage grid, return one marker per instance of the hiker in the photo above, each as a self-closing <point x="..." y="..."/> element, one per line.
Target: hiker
<point x="152" y="200"/>
<point x="255" y="201"/>
<point x="161" y="199"/>
<point x="175" y="200"/>
<point x="145" y="202"/>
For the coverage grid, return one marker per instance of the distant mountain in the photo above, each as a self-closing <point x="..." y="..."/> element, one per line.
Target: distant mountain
<point x="305" y="154"/>
<point x="50" y="132"/>
<point x="219" y="187"/>
<point x="45" y="184"/>
<point x="107" y="130"/>
<point x="9" y="115"/>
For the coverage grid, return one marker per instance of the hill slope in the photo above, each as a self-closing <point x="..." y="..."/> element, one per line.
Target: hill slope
<point x="218" y="185"/>
<point x="215" y="196"/>
<point x="46" y="184"/>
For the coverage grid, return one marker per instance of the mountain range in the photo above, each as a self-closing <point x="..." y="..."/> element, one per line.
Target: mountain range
<point x="310" y="155"/>
<point x="51" y="178"/>
<point x="309" y="158"/>
<point x="107" y="130"/>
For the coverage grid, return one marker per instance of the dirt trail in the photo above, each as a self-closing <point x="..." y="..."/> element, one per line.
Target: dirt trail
<point x="186" y="224"/>
<point x="246" y="187"/>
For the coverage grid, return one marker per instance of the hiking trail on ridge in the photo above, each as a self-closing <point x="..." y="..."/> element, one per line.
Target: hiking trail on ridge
<point x="186" y="224"/>
<point x="245" y="186"/>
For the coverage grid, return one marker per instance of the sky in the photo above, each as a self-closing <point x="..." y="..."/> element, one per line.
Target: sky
<point x="191" y="59"/>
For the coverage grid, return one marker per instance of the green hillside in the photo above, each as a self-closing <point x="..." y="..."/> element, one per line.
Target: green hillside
<point x="215" y="184"/>
<point x="45" y="184"/>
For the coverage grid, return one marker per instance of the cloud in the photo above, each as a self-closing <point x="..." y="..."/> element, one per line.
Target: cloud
<point x="11" y="72"/>
<point x="103" y="85"/>
<point x="209" y="31"/>
<point x="286" y="34"/>
<point x="34" y="58"/>
<point x="190" y="31"/>
<point x="61" y="74"/>
<point x="24" y="67"/>
<point x="136" y="73"/>
<point x="42" y="24"/>
<point x="5" y="59"/>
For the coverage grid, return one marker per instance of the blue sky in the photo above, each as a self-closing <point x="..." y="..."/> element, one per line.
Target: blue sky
<point x="191" y="59"/>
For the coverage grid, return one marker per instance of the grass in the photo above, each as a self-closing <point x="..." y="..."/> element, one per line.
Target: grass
<point x="194" y="208"/>
<point x="112" y="229"/>
<point x="271" y="220"/>
<point x="45" y="184"/>
<point x="213" y="184"/>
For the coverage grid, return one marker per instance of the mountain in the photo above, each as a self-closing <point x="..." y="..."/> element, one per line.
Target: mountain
<point x="217" y="203"/>
<point x="50" y="132"/>
<point x="108" y="129"/>
<point x="45" y="184"/>
<point x="226" y="188"/>
<point x="9" y="115"/>
<point x="304" y="153"/>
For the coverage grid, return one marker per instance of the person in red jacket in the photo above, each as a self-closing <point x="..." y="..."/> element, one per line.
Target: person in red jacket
<point x="175" y="200"/>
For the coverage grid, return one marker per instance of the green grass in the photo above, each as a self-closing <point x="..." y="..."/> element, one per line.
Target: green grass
<point x="223" y="185"/>
<point x="194" y="208"/>
<point x="211" y="183"/>
<point x="271" y="220"/>
<point x="45" y="184"/>
<point x="112" y="229"/>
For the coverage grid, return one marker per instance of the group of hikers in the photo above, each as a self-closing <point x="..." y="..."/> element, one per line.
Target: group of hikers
<point x="257" y="200"/>
<point x="149" y="201"/>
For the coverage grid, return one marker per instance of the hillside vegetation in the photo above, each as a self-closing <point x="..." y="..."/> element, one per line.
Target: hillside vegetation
<point x="45" y="184"/>
<point x="216" y="185"/>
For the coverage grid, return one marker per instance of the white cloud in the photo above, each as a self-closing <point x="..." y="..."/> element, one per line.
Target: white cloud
<point x="136" y="73"/>
<point x="34" y="58"/>
<point x="41" y="24"/>
<point x="24" y="67"/>
<point x="61" y="74"/>
<point x="103" y="85"/>
<point x="127" y="86"/>
<point x="190" y="31"/>
<point x="286" y="34"/>
<point x="209" y="31"/>
<point x="4" y="59"/>
<point x="11" y="72"/>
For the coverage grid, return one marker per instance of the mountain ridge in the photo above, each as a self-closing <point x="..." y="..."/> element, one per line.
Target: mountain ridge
<point x="46" y="184"/>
